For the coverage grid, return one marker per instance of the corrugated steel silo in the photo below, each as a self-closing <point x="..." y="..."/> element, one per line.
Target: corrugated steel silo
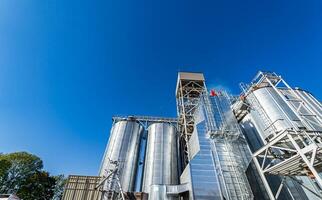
<point x="310" y="100"/>
<point x="161" y="161"/>
<point x="276" y="119"/>
<point x="312" y="113"/>
<point x="273" y="114"/>
<point x="123" y="147"/>
<point x="280" y="114"/>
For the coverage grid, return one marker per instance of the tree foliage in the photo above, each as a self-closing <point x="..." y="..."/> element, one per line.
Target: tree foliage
<point x="22" y="173"/>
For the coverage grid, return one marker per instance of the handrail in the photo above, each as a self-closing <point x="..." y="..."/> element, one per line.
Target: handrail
<point x="273" y="123"/>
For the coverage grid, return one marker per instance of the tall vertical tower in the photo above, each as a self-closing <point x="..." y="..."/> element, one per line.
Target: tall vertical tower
<point x="190" y="86"/>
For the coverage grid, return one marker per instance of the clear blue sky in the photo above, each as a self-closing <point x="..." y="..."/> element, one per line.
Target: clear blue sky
<point x="67" y="66"/>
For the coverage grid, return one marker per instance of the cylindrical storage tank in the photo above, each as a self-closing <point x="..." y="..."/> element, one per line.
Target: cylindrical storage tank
<point x="276" y="109"/>
<point x="161" y="160"/>
<point x="310" y="100"/>
<point x="123" y="147"/>
<point x="314" y="106"/>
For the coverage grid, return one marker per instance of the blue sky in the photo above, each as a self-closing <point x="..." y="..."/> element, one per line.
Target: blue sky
<point x="66" y="67"/>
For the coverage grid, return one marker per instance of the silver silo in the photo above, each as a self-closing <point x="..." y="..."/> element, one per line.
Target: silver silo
<point x="280" y="114"/>
<point x="310" y="100"/>
<point x="312" y="113"/>
<point x="123" y="147"/>
<point x="277" y="119"/>
<point x="161" y="161"/>
<point x="269" y="105"/>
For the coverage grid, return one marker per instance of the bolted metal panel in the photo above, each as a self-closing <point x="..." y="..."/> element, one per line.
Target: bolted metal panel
<point x="123" y="147"/>
<point x="161" y="161"/>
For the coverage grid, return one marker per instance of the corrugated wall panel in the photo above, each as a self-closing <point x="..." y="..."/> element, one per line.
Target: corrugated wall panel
<point x="82" y="188"/>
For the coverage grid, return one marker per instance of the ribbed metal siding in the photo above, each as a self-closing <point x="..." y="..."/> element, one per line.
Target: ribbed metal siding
<point x="161" y="156"/>
<point x="123" y="147"/>
<point x="82" y="188"/>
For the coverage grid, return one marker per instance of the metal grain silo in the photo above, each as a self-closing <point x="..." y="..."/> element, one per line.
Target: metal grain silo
<point x="276" y="120"/>
<point x="310" y="100"/>
<point x="312" y="113"/>
<point x="161" y="160"/>
<point x="123" y="147"/>
<point x="271" y="106"/>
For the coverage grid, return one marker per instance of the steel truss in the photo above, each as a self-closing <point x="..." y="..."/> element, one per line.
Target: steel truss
<point x="145" y="121"/>
<point x="188" y="97"/>
<point x="290" y="153"/>
<point x="293" y="151"/>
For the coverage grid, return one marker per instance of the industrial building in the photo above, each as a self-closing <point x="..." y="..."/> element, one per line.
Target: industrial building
<point x="262" y="144"/>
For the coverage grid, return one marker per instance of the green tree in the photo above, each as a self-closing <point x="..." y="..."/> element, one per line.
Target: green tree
<point x="21" y="173"/>
<point x="16" y="168"/>
<point x="4" y="169"/>
<point x="37" y="186"/>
